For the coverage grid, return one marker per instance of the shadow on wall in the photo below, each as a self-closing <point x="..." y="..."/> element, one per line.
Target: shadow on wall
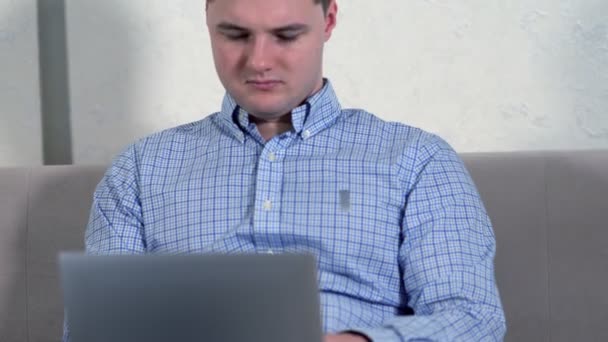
<point x="19" y="102"/>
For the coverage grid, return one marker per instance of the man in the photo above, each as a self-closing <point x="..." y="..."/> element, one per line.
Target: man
<point x="405" y="247"/>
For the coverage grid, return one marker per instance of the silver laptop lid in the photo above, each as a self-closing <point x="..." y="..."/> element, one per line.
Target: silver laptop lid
<point x="253" y="297"/>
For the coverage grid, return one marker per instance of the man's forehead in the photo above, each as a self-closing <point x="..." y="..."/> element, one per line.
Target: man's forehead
<point x="260" y="11"/>
<point x="313" y="2"/>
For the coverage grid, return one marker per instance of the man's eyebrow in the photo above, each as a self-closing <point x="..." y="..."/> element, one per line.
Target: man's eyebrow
<point x="291" y="28"/>
<point x="225" y="26"/>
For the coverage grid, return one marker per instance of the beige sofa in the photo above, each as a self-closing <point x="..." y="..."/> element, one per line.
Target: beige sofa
<point x="549" y="209"/>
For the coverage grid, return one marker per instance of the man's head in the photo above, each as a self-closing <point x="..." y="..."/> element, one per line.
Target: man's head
<point x="269" y="53"/>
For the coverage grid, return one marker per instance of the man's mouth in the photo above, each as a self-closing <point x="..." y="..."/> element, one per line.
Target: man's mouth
<point x="264" y="85"/>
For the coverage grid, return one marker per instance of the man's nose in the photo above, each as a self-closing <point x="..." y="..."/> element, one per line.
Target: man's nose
<point x="259" y="54"/>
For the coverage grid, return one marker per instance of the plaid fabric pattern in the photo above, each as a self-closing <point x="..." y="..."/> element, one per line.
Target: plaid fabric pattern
<point x="389" y="210"/>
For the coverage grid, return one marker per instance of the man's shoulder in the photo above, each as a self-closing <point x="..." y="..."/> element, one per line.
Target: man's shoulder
<point x="167" y="142"/>
<point x="395" y="133"/>
<point x="182" y="133"/>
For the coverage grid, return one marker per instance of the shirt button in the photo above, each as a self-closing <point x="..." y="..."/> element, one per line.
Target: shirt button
<point x="267" y="205"/>
<point x="306" y="134"/>
<point x="272" y="157"/>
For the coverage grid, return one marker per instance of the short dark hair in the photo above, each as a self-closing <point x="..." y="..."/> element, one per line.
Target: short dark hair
<point x="324" y="4"/>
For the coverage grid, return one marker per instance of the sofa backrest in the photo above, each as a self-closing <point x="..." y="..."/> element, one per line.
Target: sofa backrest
<point x="43" y="210"/>
<point x="549" y="210"/>
<point x="550" y="217"/>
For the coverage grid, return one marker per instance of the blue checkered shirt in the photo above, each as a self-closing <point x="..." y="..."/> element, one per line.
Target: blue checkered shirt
<point x="389" y="210"/>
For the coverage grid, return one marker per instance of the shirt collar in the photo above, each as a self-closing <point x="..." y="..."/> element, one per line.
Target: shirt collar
<point x="318" y="112"/>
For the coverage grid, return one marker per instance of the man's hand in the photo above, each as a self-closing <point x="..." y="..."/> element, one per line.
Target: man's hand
<point x="345" y="338"/>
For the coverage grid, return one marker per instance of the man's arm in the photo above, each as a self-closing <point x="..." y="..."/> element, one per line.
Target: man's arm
<point x="115" y="222"/>
<point x="446" y="257"/>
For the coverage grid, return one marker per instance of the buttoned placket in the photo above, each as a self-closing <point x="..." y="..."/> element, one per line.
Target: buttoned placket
<point x="269" y="186"/>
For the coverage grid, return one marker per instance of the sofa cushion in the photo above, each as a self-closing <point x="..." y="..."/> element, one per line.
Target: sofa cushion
<point x="577" y="195"/>
<point x="59" y="203"/>
<point x="13" y="243"/>
<point x="512" y="186"/>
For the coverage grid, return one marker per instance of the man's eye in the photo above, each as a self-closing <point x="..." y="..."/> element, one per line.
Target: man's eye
<point x="286" y="38"/>
<point x="237" y="37"/>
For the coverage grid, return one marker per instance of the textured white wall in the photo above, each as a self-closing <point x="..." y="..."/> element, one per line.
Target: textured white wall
<point x="20" y="132"/>
<point x="486" y="75"/>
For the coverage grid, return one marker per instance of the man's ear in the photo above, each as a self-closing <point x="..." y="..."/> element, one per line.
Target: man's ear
<point x="331" y="18"/>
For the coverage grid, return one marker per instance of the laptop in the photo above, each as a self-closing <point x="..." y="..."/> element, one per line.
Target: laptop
<point x="247" y="297"/>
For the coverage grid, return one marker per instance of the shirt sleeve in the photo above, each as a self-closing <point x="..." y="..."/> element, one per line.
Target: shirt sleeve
<point x="115" y="222"/>
<point x="447" y="257"/>
<point x="116" y="219"/>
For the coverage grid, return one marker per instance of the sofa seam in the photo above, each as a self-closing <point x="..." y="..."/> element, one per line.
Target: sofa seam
<point x="548" y="245"/>
<point x="27" y="252"/>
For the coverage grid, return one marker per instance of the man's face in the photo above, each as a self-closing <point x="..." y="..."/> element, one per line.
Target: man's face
<point x="268" y="53"/>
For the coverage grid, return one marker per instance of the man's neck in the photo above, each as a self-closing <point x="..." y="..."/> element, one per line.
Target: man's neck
<point x="270" y="128"/>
